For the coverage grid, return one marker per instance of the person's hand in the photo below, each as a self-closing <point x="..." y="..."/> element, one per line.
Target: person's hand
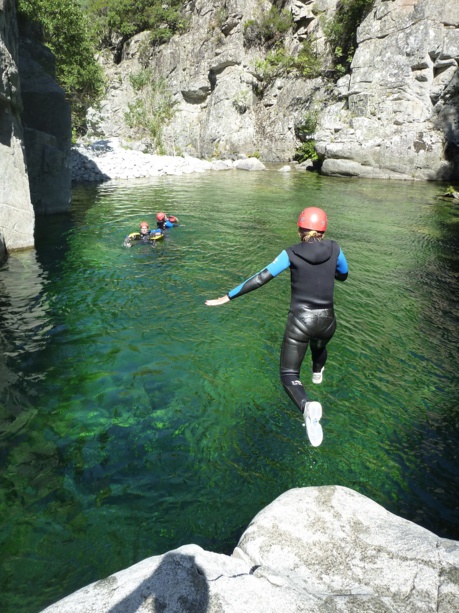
<point x="218" y="301"/>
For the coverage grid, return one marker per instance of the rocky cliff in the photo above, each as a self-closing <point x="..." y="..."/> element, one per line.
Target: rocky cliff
<point x="313" y="549"/>
<point x="47" y="127"/>
<point x="397" y="114"/>
<point x="35" y="135"/>
<point x="394" y="116"/>
<point x="16" y="212"/>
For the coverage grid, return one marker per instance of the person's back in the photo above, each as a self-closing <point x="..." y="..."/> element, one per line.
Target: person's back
<point x="312" y="271"/>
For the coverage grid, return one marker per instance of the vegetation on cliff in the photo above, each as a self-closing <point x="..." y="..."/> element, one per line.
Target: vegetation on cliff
<point x="341" y="32"/>
<point x="115" y="21"/>
<point x="65" y="30"/>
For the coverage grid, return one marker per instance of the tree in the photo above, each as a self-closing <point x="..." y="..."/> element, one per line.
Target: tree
<point x="66" y="32"/>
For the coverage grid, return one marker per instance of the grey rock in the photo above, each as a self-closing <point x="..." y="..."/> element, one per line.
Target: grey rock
<point x="17" y="218"/>
<point x="47" y="123"/>
<point x="404" y="83"/>
<point x="312" y="550"/>
<point x="249" y="164"/>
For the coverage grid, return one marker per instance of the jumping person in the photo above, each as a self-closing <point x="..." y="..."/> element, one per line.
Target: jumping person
<point x="314" y="265"/>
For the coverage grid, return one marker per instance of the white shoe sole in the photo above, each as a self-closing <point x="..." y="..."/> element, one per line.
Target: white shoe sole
<point x="317" y="377"/>
<point x="312" y="415"/>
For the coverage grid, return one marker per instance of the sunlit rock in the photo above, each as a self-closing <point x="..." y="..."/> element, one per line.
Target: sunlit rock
<point x="313" y="549"/>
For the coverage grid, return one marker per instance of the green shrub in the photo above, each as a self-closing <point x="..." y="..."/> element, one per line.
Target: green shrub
<point x="123" y="19"/>
<point x="279" y="62"/>
<point x="308" y="125"/>
<point x="269" y="28"/>
<point x="66" y="32"/>
<point x="341" y="31"/>
<point x="306" y="151"/>
<point x="152" y="107"/>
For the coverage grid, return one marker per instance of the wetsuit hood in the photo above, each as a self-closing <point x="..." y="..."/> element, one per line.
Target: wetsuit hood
<point x="314" y="252"/>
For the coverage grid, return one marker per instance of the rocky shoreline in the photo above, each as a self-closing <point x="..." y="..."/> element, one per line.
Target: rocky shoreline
<point x="109" y="159"/>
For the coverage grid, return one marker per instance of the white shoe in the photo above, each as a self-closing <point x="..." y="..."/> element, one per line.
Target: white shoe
<point x="312" y="414"/>
<point x="317" y="377"/>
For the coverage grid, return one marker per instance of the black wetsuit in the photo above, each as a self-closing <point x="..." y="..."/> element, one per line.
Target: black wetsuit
<point x="314" y="266"/>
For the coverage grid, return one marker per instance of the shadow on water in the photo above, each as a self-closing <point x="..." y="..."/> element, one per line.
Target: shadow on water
<point x="178" y="584"/>
<point x="434" y="436"/>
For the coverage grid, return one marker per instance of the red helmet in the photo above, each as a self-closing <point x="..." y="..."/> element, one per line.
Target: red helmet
<point x="143" y="223"/>
<point x="313" y="218"/>
<point x="160" y="216"/>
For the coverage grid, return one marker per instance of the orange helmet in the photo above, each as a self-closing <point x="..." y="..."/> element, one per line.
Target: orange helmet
<point x="143" y="223"/>
<point x="160" y="216"/>
<point x="313" y="218"/>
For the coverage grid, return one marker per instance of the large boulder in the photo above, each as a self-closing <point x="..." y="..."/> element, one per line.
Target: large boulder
<point x="313" y="549"/>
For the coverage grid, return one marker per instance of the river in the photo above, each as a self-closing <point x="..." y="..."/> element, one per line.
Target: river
<point x="134" y="419"/>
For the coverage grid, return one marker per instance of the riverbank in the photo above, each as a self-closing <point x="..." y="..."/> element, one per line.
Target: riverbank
<point x="109" y="159"/>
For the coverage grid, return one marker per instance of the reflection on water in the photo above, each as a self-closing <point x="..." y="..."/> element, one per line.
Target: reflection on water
<point x="134" y="419"/>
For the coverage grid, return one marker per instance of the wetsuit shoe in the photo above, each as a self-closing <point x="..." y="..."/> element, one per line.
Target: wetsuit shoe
<point x="317" y="377"/>
<point x="312" y="414"/>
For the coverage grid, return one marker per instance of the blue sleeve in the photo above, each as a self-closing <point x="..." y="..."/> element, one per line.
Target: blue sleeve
<point x="261" y="278"/>
<point x="342" y="269"/>
<point x="169" y="224"/>
<point x="341" y="264"/>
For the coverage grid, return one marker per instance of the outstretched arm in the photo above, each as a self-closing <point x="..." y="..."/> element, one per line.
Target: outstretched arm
<point x="260" y="278"/>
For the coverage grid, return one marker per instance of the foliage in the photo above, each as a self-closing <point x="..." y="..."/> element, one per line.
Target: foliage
<point x="152" y="107"/>
<point x="341" y="31"/>
<point x="307" y="63"/>
<point x="308" y="125"/>
<point x="66" y="32"/>
<point x="279" y="62"/>
<point x="269" y="28"/>
<point x="306" y="151"/>
<point x="123" y="19"/>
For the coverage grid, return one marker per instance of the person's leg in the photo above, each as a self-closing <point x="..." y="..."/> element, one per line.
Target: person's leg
<point x="324" y="330"/>
<point x="319" y="354"/>
<point x="294" y="347"/>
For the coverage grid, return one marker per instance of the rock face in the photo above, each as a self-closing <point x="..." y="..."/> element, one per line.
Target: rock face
<point x="16" y="212"/>
<point x="398" y="113"/>
<point x="313" y="549"/>
<point x="47" y="129"/>
<point x="35" y="135"/>
<point x="395" y="116"/>
<point x="221" y="105"/>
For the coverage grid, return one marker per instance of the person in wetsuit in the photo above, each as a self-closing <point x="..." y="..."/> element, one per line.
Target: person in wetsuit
<point x="164" y="221"/>
<point x="314" y="265"/>
<point x="144" y="235"/>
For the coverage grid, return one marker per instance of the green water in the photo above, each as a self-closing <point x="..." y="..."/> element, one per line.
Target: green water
<point x="134" y="419"/>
